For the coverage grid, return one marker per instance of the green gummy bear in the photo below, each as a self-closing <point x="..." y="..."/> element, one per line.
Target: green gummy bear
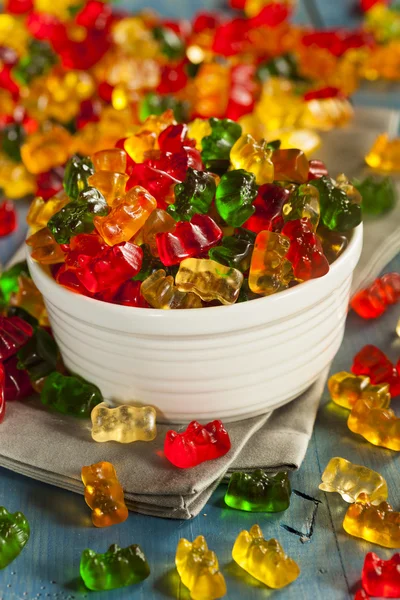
<point x="38" y="61"/>
<point x="77" y="216"/>
<point x="234" y="196"/>
<point x="14" y="534"/>
<point x="118" y="567"/>
<point x="70" y="395"/>
<point x="216" y="147"/>
<point x="77" y="172"/>
<point x="39" y="356"/>
<point x="9" y="280"/>
<point x="378" y="195"/>
<point x="155" y="104"/>
<point x="171" y="44"/>
<point x="259" y="492"/>
<point x="338" y="213"/>
<point x="12" y="138"/>
<point x="150" y="264"/>
<point x="193" y="195"/>
<point x="235" y="250"/>
<point x="281" y="66"/>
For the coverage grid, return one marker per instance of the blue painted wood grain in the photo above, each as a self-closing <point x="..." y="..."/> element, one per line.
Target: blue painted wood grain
<point x="331" y="562"/>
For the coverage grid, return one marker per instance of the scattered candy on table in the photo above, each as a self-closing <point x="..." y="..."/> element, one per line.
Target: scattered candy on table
<point x="374" y="363"/>
<point x="346" y="388"/>
<point x="124" y="424"/>
<point x="378" y="195"/>
<point x="70" y="395"/>
<point x="349" y="480"/>
<point x="170" y="169"/>
<point x="381" y="577"/>
<point x="258" y="491"/>
<point x="384" y="154"/>
<point x="377" y="524"/>
<point x="118" y="567"/>
<point x="104" y="494"/>
<point x="379" y="426"/>
<point x="197" y="444"/>
<point x="14" y="534"/>
<point x="264" y="560"/>
<point x="373" y="301"/>
<point x="198" y="569"/>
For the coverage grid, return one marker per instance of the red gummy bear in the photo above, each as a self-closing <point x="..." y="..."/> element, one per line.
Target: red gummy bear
<point x="175" y="164"/>
<point x="112" y="267"/>
<point x="158" y="183"/>
<point x="305" y="252"/>
<point x="174" y="138"/>
<point x="374" y="363"/>
<point x="268" y="204"/>
<point x="8" y="218"/>
<point x="373" y="301"/>
<point x="361" y="595"/>
<point x="17" y="384"/>
<point x="197" y="444"/>
<point x="188" y="239"/>
<point x="381" y="577"/>
<point x="14" y="333"/>
<point x="2" y="393"/>
<point x="317" y="169"/>
<point x="89" y="261"/>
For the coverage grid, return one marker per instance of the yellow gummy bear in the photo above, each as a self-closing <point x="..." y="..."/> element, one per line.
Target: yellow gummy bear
<point x="346" y="388"/>
<point x="160" y="292"/>
<point x="384" y="154"/>
<point x="40" y="212"/>
<point x="199" y="570"/>
<point x="379" y="426"/>
<point x="127" y="216"/>
<point x="264" y="560"/>
<point x="15" y="180"/>
<point x="198" y="129"/>
<point x="13" y="33"/>
<point x="43" y="151"/>
<point x="377" y="524"/>
<point x="248" y="154"/>
<point x="349" y="480"/>
<point x="124" y="424"/>
<point x="209" y="279"/>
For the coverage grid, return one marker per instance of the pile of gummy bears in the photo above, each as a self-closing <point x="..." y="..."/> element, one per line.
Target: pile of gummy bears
<point x="76" y="76"/>
<point x="189" y="215"/>
<point x="168" y="163"/>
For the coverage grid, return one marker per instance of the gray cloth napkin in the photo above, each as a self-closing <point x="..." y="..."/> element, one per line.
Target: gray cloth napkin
<point x="53" y="448"/>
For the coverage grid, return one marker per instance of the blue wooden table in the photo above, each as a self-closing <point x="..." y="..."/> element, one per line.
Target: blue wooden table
<point x="310" y="531"/>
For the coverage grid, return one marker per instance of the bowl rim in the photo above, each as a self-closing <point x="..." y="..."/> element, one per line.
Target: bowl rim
<point x="41" y="274"/>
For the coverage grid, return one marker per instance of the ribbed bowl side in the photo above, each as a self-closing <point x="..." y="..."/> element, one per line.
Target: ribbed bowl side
<point x="228" y="376"/>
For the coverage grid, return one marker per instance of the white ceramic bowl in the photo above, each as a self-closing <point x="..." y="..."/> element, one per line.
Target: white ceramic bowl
<point x="226" y="362"/>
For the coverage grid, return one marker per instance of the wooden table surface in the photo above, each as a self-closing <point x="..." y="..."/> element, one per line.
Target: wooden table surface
<point x="329" y="559"/>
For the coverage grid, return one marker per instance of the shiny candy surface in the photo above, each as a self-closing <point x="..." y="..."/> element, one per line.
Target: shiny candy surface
<point x="270" y="271"/>
<point x="197" y="444"/>
<point x="104" y="494"/>
<point x="209" y="279"/>
<point x="258" y="491"/>
<point x="160" y="291"/>
<point x="349" y="480"/>
<point x="264" y="559"/>
<point x="14" y="534"/>
<point x="199" y="570"/>
<point x="377" y="524"/>
<point x="124" y="424"/>
<point x="381" y="577"/>
<point x="118" y="567"/>
<point x="379" y="426"/>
